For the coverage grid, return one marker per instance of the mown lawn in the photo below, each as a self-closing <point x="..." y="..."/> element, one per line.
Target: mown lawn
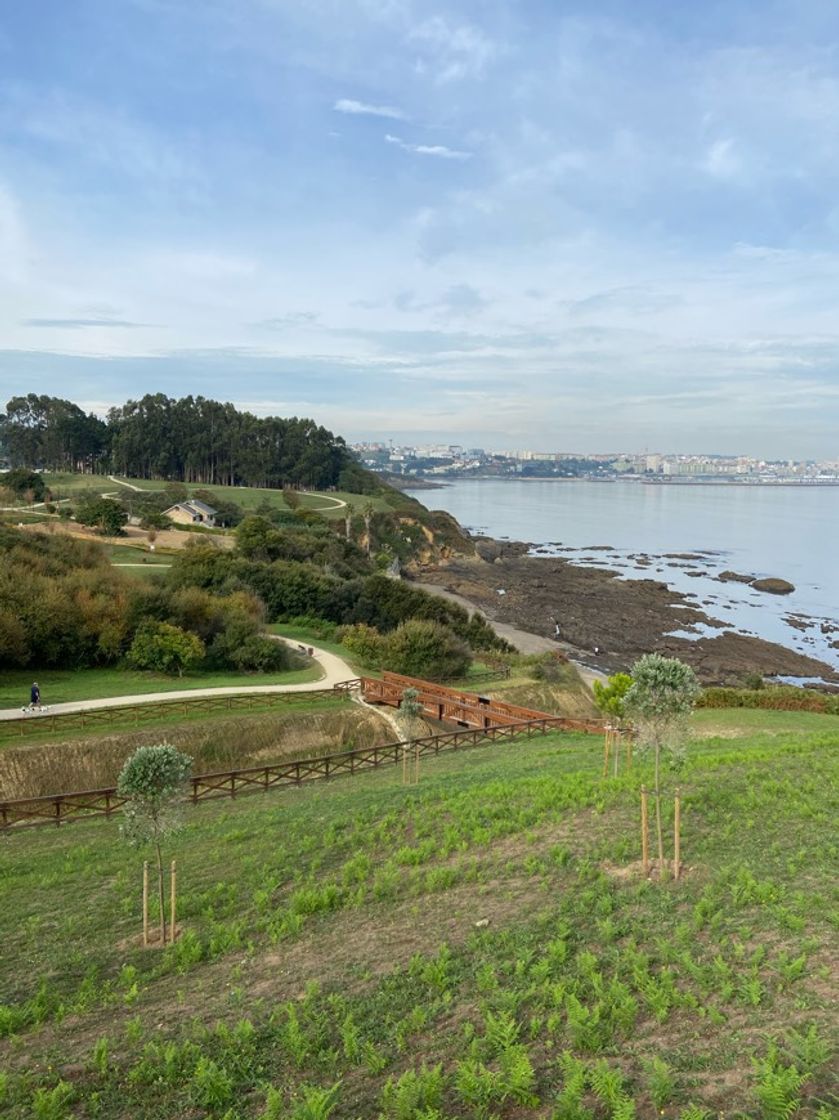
<point x="481" y="944"/>
<point x="61" y="685"/>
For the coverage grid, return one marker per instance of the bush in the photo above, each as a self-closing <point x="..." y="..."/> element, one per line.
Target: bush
<point x="165" y="648"/>
<point x="261" y="655"/>
<point x="426" y="649"/>
<point x="786" y="698"/>
<point x="364" y="642"/>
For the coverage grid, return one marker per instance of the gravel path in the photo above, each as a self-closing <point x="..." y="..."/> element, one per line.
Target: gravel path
<point x="521" y="640"/>
<point x="335" y="669"/>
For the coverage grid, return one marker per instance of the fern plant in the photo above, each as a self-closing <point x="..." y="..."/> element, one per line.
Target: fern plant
<point x="314" y="1103"/>
<point x="415" y="1091"/>
<point x="660" y="1082"/>
<point x="778" y="1088"/>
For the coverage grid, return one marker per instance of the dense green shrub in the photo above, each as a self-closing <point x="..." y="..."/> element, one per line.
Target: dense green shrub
<point x="165" y="648"/>
<point x="426" y="649"/>
<point x="365" y="643"/>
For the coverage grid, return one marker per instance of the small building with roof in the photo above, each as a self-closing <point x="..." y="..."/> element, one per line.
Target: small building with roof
<point x="192" y="512"/>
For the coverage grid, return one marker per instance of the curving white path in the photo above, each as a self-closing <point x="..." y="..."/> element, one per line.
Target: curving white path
<point x="335" y="670"/>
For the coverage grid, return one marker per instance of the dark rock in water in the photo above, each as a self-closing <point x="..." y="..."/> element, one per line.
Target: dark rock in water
<point x="734" y="577"/>
<point x="683" y="556"/>
<point x="799" y="621"/>
<point x="774" y="586"/>
<point x="695" y="575"/>
<point x="599" y="548"/>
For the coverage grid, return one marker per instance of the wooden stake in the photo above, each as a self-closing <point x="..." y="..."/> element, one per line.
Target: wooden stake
<point x="677" y="834"/>
<point x="645" y="840"/>
<point x="617" y="743"/>
<point x="416" y="765"/>
<point x="628" y="749"/>
<point x="173" y="892"/>
<point x="404" y="764"/>
<point x="607" y="742"/>
<point x="145" y="902"/>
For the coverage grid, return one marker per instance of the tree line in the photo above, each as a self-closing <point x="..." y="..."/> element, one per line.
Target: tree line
<point x="191" y="440"/>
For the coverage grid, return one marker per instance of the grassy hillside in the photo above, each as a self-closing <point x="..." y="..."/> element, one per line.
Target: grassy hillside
<point x="479" y="945"/>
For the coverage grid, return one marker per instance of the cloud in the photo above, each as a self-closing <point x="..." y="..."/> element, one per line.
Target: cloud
<point x="362" y="109"/>
<point x="438" y="150"/>
<point x="457" y="51"/>
<point x="722" y="161"/>
<point x="78" y="324"/>
<point x="290" y="319"/>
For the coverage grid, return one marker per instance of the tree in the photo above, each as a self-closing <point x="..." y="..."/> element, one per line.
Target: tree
<point x="611" y="701"/>
<point x="152" y="780"/>
<point x="349" y="513"/>
<point x="165" y="648"/>
<point x="367" y="513"/>
<point x="611" y="698"/>
<point x="25" y="484"/>
<point x="103" y="514"/>
<point x="426" y="649"/>
<point x="662" y="697"/>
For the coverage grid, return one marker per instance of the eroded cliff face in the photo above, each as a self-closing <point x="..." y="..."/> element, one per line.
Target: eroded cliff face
<point x="437" y="539"/>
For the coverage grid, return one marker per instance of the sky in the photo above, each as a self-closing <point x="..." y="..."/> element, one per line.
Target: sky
<point x="584" y="226"/>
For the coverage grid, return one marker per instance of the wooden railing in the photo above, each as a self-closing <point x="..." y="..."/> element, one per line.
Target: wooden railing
<point x="446" y="704"/>
<point x="159" y="709"/>
<point x="63" y="808"/>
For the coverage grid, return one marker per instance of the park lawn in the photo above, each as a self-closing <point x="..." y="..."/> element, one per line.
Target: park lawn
<point x="479" y="944"/>
<point x="59" y="686"/>
<point x="735" y="722"/>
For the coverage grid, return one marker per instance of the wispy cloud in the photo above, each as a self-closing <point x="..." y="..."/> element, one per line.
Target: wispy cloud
<point x="438" y="150"/>
<point x="79" y="324"/>
<point x="362" y="109"/>
<point x="456" y="50"/>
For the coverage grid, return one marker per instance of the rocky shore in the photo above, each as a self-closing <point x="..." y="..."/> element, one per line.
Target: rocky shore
<point x="605" y="621"/>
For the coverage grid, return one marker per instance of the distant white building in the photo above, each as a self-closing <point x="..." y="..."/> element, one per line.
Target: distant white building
<point x="192" y="513"/>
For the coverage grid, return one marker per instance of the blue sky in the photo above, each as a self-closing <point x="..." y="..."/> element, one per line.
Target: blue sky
<point x="592" y="226"/>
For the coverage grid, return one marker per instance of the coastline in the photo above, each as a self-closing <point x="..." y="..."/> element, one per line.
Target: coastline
<point x="621" y="618"/>
<point x="420" y="482"/>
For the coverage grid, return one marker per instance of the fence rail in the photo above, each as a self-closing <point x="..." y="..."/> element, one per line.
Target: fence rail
<point x="438" y="701"/>
<point x="63" y="808"/>
<point x="157" y="709"/>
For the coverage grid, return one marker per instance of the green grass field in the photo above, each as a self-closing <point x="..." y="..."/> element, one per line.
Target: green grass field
<point x="480" y="945"/>
<point x="248" y="497"/>
<point x="59" y="686"/>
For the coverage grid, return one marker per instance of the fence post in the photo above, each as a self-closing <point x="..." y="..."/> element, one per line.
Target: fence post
<point x="58" y="810"/>
<point x="645" y="851"/>
<point x="173" y="880"/>
<point x="145" y="902"/>
<point x="677" y="833"/>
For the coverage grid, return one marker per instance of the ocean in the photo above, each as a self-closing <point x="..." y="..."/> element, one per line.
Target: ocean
<point x="784" y="531"/>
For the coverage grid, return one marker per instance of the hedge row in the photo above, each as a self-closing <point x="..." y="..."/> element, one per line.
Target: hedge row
<point x="786" y="698"/>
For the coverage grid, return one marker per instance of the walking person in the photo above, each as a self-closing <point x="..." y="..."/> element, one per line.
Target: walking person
<point x="35" y="696"/>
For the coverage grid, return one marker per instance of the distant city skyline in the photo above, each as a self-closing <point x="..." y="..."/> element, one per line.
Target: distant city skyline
<point x="608" y="224"/>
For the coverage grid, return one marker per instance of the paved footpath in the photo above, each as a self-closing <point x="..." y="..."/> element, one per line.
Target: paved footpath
<point x="335" y="670"/>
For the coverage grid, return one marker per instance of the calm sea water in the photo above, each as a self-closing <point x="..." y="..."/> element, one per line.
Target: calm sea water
<point x="783" y="531"/>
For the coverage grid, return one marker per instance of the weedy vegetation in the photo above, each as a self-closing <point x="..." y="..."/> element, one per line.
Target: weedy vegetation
<point x="480" y="945"/>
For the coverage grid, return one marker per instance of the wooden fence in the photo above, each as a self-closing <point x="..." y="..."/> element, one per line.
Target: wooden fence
<point x="159" y="709"/>
<point x="446" y="704"/>
<point x="63" y="808"/>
